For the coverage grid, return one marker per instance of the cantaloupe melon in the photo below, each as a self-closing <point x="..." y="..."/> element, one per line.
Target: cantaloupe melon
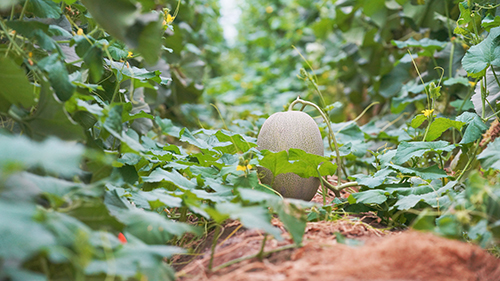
<point x="285" y="130"/>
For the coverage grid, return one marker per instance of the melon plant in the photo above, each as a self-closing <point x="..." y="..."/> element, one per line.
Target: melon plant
<point x="285" y="130"/>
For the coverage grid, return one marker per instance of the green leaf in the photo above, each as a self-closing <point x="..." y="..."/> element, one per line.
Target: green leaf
<point x="22" y="236"/>
<point x="53" y="155"/>
<point x="277" y="162"/>
<point x="429" y="45"/>
<point x="306" y="164"/>
<point x="115" y="16"/>
<point x="490" y="157"/>
<point x="418" y="120"/>
<point x="254" y="217"/>
<point x="93" y="59"/>
<point x="58" y="76"/>
<point x="50" y="185"/>
<point x="484" y="54"/>
<point x="475" y="127"/>
<point x="16" y="89"/>
<point x="296" y="161"/>
<point x="425" y="221"/>
<point x="464" y="105"/>
<point x="151" y="227"/>
<point x="439" y="125"/>
<point x="36" y="31"/>
<point x="448" y="225"/>
<point x="141" y="74"/>
<point x="136" y="260"/>
<point x="174" y="177"/>
<point x="160" y="197"/>
<point x="44" y="8"/>
<point x="95" y="214"/>
<point x="407" y="150"/>
<point x="372" y="196"/>
<point x="123" y="20"/>
<point x="66" y="229"/>
<point x="373" y="181"/>
<point x="456" y="81"/>
<point x="428" y="173"/>
<point x="150" y="36"/>
<point x="293" y="218"/>
<point x="113" y="124"/>
<point x="168" y="127"/>
<point x="187" y="136"/>
<point x="489" y="22"/>
<point x="51" y="119"/>
<point x="241" y="142"/>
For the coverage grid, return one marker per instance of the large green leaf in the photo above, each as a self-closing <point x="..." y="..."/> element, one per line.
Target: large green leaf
<point x="409" y="197"/>
<point x="428" y="173"/>
<point x="484" y="54"/>
<point x="51" y="119"/>
<point x="44" y="8"/>
<point x="490" y="157"/>
<point x="26" y="186"/>
<point x="94" y="213"/>
<point x="407" y="150"/>
<point x="298" y="162"/>
<point x="373" y="181"/>
<point x="151" y="227"/>
<point x="150" y="36"/>
<point x="53" y="155"/>
<point x="21" y="236"/>
<point x="373" y="196"/>
<point x="136" y="260"/>
<point x="16" y="89"/>
<point x="475" y="127"/>
<point x="252" y="217"/>
<point x="290" y="211"/>
<point x="58" y="76"/>
<point x="439" y="125"/>
<point x="276" y="162"/>
<point x="115" y="16"/>
<point x="174" y="177"/>
<point x="492" y="93"/>
<point x="123" y="20"/>
<point x="93" y="60"/>
<point x="38" y="31"/>
<point x="428" y="45"/>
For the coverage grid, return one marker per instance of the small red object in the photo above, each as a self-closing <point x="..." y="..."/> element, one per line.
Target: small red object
<point x="122" y="238"/>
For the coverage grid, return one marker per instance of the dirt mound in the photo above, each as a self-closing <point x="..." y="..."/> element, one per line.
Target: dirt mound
<point x="385" y="255"/>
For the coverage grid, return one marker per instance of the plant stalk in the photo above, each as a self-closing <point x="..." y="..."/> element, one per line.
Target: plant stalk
<point x="338" y="160"/>
<point x="214" y="244"/>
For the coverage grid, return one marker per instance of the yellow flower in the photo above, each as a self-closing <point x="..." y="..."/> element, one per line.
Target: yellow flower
<point x="473" y="84"/>
<point x="269" y="9"/>
<point x="80" y="31"/>
<point x="169" y="19"/>
<point x="130" y="54"/>
<point x="427" y="112"/>
<point x="243" y="168"/>
<point x="30" y="54"/>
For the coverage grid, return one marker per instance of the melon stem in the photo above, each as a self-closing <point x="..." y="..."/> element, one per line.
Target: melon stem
<point x="331" y="135"/>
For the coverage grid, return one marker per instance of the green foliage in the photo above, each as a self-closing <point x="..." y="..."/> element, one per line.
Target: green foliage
<point x="101" y="104"/>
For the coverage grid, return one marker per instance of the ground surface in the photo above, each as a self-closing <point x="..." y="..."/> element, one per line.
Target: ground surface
<point x="368" y="253"/>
